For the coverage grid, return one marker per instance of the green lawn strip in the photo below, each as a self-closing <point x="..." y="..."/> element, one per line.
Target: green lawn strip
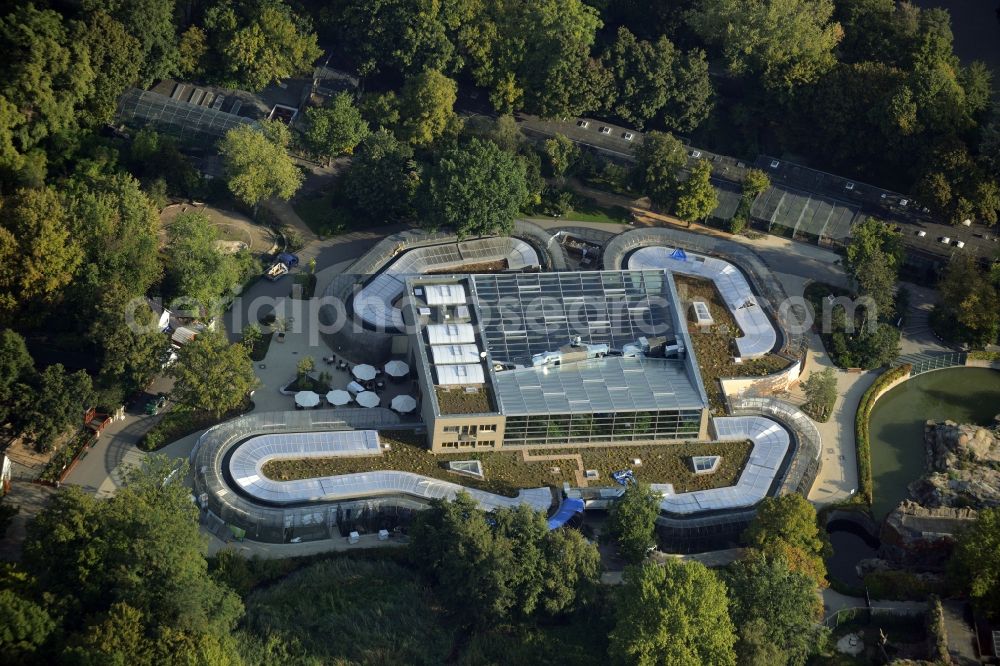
<point x="181" y="421"/>
<point x="458" y="401"/>
<point x="669" y="463"/>
<point x="589" y="211"/>
<point x="507" y="472"/>
<point x="713" y="346"/>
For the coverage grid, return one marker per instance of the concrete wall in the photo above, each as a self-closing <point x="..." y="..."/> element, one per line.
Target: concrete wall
<point x="755" y="387"/>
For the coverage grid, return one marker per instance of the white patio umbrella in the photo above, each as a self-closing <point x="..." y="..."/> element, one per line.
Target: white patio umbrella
<point x="403" y="404"/>
<point x="306" y="399"/>
<point x="368" y="399"/>
<point x="338" y="398"/>
<point x="396" y="368"/>
<point x="364" y="372"/>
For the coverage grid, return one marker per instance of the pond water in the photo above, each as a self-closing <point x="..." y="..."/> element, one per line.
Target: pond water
<point x="851" y="543"/>
<point x="964" y="395"/>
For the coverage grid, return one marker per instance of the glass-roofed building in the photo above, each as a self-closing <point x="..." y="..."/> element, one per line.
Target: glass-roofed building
<point x="534" y="359"/>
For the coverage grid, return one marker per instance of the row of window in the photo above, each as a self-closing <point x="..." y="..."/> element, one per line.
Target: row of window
<point x="471" y="429"/>
<point x="620" y="427"/>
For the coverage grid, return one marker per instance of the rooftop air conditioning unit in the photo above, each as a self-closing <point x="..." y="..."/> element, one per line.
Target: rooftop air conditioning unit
<point x="945" y="240"/>
<point x="959" y="244"/>
<point x="921" y="233"/>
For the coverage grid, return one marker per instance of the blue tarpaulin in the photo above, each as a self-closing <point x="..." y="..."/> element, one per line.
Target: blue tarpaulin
<point x="569" y="508"/>
<point x="623" y="476"/>
<point x="679" y="254"/>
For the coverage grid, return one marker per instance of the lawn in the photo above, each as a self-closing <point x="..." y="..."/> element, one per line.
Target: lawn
<point x="458" y="401"/>
<point x="714" y="346"/>
<point x="507" y="472"/>
<point x="587" y="210"/>
<point x="669" y="463"/>
<point x="320" y="213"/>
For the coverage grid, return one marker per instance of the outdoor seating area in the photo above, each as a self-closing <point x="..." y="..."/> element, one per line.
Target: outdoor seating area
<point x="367" y="387"/>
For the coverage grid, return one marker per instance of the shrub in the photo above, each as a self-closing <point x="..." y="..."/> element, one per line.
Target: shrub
<point x="861" y="422"/>
<point x="937" y="633"/>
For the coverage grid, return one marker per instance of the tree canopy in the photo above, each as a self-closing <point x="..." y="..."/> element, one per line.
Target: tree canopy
<point x="509" y="565"/>
<point x="672" y="614"/>
<point x="786" y="527"/>
<point x="257" y="166"/>
<point x="772" y="607"/>
<point x="661" y="157"/>
<point x="476" y="190"/>
<point x="969" y="308"/>
<point x="426" y="107"/>
<point x="212" y="375"/>
<point x="976" y="563"/>
<point x="696" y="196"/>
<point x="383" y="178"/>
<point x="335" y="129"/>
<point x="632" y="520"/>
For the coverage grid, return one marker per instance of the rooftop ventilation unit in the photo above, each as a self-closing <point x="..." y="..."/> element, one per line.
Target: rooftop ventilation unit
<point x="696" y="154"/>
<point x="921" y="233"/>
<point x="775" y="164"/>
<point x="959" y="244"/>
<point x="849" y="186"/>
<point x="945" y="240"/>
<point x="903" y="202"/>
<point x="966" y="222"/>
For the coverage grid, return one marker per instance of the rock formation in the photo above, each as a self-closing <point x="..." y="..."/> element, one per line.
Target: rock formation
<point x="965" y="467"/>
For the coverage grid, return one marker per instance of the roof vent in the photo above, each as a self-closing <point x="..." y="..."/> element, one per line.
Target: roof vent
<point x="696" y="153"/>
<point x="921" y="233"/>
<point x="903" y="202"/>
<point x="849" y="186"/>
<point x="966" y="222"/>
<point x="775" y="164"/>
<point x="959" y="244"/>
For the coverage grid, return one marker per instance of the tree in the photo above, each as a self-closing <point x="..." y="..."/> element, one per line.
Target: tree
<point x="874" y="256"/>
<point x="672" y="614"/>
<point x="969" y="308"/>
<point x="259" y="42"/>
<point x="660" y="158"/>
<point x="335" y="129"/>
<point x="476" y="190"/>
<point x="151" y="22"/>
<point x="821" y="392"/>
<point x="383" y="178"/>
<point x="196" y="270"/>
<point x="257" y="167"/>
<point x="115" y="57"/>
<point x="562" y="153"/>
<point x="696" y="196"/>
<point x="786" y="527"/>
<point x="141" y="550"/>
<point x="40" y="256"/>
<point x="426" y="107"/>
<point x="16" y="368"/>
<point x="191" y="52"/>
<point x="59" y="400"/>
<point x="252" y="334"/>
<point x="632" y="521"/>
<point x="755" y="183"/>
<point x="786" y="42"/>
<point x="24" y="625"/>
<point x="132" y="348"/>
<point x="976" y="563"/>
<point x="773" y="605"/>
<point x="510" y="566"/>
<point x="305" y="365"/>
<point x="652" y="77"/>
<point x="212" y="375"/>
<point x="46" y="76"/>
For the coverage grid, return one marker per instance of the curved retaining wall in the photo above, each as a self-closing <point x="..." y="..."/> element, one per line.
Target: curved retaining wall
<point x="763" y="282"/>
<point x="227" y="461"/>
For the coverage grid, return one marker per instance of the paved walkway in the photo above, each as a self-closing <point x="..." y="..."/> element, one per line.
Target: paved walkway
<point x="834" y="601"/>
<point x="274" y="551"/>
<point x="961" y="636"/>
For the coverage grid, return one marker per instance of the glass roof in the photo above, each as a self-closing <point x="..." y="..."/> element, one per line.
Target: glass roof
<point x="529" y="313"/>
<point x="142" y="107"/>
<point x="610" y="384"/>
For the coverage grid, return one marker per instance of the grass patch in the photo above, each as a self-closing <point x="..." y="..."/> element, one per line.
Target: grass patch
<point x="588" y="210"/>
<point x="714" y="345"/>
<point x="308" y="283"/>
<point x="260" y="346"/>
<point x="507" y="472"/>
<point x="984" y="355"/>
<point x="669" y="463"/>
<point x="458" y="401"/>
<point x="354" y="611"/>
<point x="322" y="215"/>
<point x="181" y="421"/>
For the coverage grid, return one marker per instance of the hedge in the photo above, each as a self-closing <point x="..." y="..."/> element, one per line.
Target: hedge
<point x="937" y="633"/>
<point x="861" y="422"/>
